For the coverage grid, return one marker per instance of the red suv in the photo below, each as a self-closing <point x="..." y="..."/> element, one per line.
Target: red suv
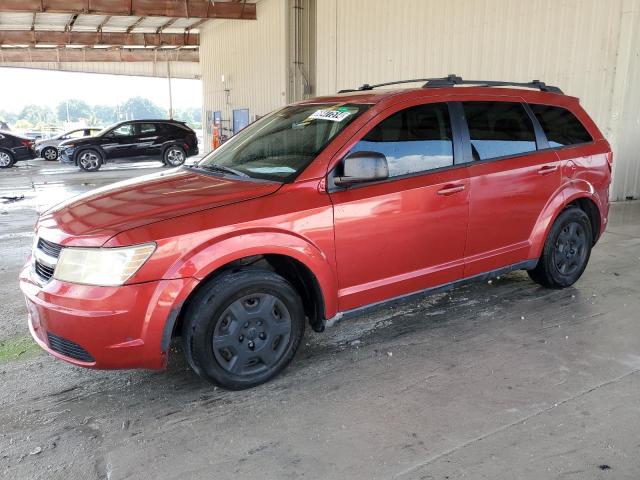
<point x="313" y="213"/>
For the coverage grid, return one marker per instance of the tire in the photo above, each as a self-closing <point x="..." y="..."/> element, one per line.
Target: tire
<point x="566" y="251"/>
<point x="49" y="153"/>
<point x="89" y="160"/>
<point x="174" y="156"/>
<point x="6" y="159"/>
<point x="255" y="319"/>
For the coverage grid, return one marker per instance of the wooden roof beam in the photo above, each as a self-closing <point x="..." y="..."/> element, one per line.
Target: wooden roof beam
<point x="139" y="8"/>
<point x="28" y="37"/>
<point x="95" y="55"/>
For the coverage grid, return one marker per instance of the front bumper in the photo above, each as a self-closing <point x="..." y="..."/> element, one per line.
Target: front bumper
<point x="104" y="327"/>
<point x="65" y="155"/>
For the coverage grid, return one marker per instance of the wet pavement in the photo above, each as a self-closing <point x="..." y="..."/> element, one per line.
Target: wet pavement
<point x="492" y="380"/>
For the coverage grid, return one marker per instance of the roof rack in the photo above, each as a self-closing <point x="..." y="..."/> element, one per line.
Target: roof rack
<point x="453" y="80"/>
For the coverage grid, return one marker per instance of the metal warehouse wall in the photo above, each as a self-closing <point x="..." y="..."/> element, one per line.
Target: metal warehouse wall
<point x="143" y="69"/>
<point x="252" y="56"/>
<point x="587" y="47"/>
<point x="590" y="48"/>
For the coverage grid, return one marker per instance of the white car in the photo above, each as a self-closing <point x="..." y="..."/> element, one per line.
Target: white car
<point x="48" y="149"/>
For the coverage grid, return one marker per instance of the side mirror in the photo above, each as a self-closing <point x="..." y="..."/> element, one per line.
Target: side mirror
<point x="361" y="167"/>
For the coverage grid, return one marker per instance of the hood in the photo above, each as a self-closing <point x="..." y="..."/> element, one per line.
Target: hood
<point x="76" y="141"/>
<point x="93" y="218"/>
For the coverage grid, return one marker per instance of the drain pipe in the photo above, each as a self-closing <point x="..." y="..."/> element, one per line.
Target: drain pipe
<point x="170" y="94"/>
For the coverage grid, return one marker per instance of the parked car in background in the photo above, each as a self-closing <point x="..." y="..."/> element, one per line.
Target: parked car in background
<point x="34" y="134"/>
<point x="4" y="126"/>
<point x="314" y="213"/>
<point x="48" y="149"/>
<point x="13" y="148"/>
<point x="167" y="140"/>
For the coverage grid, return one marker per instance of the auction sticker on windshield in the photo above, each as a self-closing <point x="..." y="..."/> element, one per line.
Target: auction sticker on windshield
<point x="331" y="115"/>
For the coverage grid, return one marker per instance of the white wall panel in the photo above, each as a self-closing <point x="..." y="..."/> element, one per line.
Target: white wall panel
<point x="589" y="48"/>
<point x="252" y="56"/>
<point x="578" y="45"/>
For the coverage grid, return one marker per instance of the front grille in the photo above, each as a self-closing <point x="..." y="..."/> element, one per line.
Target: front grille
<point x="45" y="266"/>
<point x="68" y="348"/>
<point x="45" y="272"/>
<point x="51" y="249"/>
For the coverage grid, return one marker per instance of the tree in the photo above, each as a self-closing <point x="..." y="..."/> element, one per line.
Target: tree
<point x="191" y="115"/>
<point x="104" y="115"/>
<point x="73" y="110"/>
<point x="23" y="124"/>
<point x="8" y="117"/>
<point x="138" y="108"/>
<point x="36" y="114"/>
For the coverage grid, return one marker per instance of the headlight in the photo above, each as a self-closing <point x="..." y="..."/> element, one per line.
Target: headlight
<point x="108" y="267"/>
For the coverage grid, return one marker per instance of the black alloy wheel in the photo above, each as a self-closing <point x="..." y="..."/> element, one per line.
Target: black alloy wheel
<point x="566" y="251"/>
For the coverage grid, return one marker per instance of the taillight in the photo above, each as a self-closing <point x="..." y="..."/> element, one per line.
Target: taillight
<point x="27" y="143"/>
<point x="610" y="160"/>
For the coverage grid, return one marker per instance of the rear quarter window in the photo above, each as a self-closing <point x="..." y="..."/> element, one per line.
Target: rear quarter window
<point x="560" y="126"/>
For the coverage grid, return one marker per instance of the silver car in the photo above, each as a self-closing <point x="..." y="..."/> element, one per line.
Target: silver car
<point x="48" y="149"/>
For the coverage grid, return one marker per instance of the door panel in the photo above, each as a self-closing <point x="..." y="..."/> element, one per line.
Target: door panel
<point x="407" y="233"/>
<point x="400" y="237"/>
<point x="120" y="142"/>
<point x="507" y="197"/>
<point x="511" y="182"/>
<point x="240" y="119"/>
<point x="148" y="134"/>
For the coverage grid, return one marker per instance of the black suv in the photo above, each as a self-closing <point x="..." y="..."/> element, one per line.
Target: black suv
<point x="167" y="140"/>
<point x="13" y="148"/>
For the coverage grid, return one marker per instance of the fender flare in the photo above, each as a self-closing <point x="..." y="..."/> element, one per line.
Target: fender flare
<point x="568" y="193"/>
<point x="211" y="256"/>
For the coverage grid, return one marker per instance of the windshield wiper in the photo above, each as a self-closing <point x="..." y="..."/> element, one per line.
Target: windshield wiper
<point x="221" y="168"/>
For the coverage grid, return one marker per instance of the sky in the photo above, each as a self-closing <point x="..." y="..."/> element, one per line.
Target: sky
<point x="21" y="86"/>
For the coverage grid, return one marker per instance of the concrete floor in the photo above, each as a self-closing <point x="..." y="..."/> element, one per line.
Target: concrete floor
<point x="501" y="380"/>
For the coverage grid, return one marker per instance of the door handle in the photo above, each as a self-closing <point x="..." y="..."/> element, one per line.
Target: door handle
<point x="547" y="169"/>
<point x="451" y="189"/>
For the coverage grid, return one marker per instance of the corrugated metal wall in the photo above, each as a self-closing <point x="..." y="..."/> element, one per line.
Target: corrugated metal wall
<point x="252" y="56"/>
<point x="583" y="46"/>
<point x="626" y="111"/>
<point x="590" y="48"/>
<point x="143" y="69"/>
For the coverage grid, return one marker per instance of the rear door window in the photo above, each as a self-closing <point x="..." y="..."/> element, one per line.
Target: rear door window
<point x="560" y="126"/>
<point x="147" y="128"/>
<point x="499" y="129"/>
<point x="414" y="140"/>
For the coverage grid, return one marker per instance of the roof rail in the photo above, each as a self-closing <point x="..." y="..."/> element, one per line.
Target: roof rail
<point x="453" y="80"/>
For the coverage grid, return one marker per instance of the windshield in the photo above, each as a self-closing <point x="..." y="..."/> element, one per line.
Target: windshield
<point x="280" y="146"/>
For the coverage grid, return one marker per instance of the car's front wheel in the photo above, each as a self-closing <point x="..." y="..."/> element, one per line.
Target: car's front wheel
<point x="50" y="153"/>
<point x="566" y="251"/>
<point x="174" y="156"/>
<point x="89" y="160"/>
<point x="242" y="328"/>
<point x="6" y="159"/>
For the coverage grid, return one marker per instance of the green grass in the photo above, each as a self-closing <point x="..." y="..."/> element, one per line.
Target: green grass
<point x="18" y="348"/>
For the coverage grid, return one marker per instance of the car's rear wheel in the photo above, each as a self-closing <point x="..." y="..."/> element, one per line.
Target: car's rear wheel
<point x="566" y="251"/>
<point x="6" y="159"/>
<point x="50" y="153"/>
<point x="242" y="328"/>
<point x="89" y="160"/>
<point x="174" y="156"/>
